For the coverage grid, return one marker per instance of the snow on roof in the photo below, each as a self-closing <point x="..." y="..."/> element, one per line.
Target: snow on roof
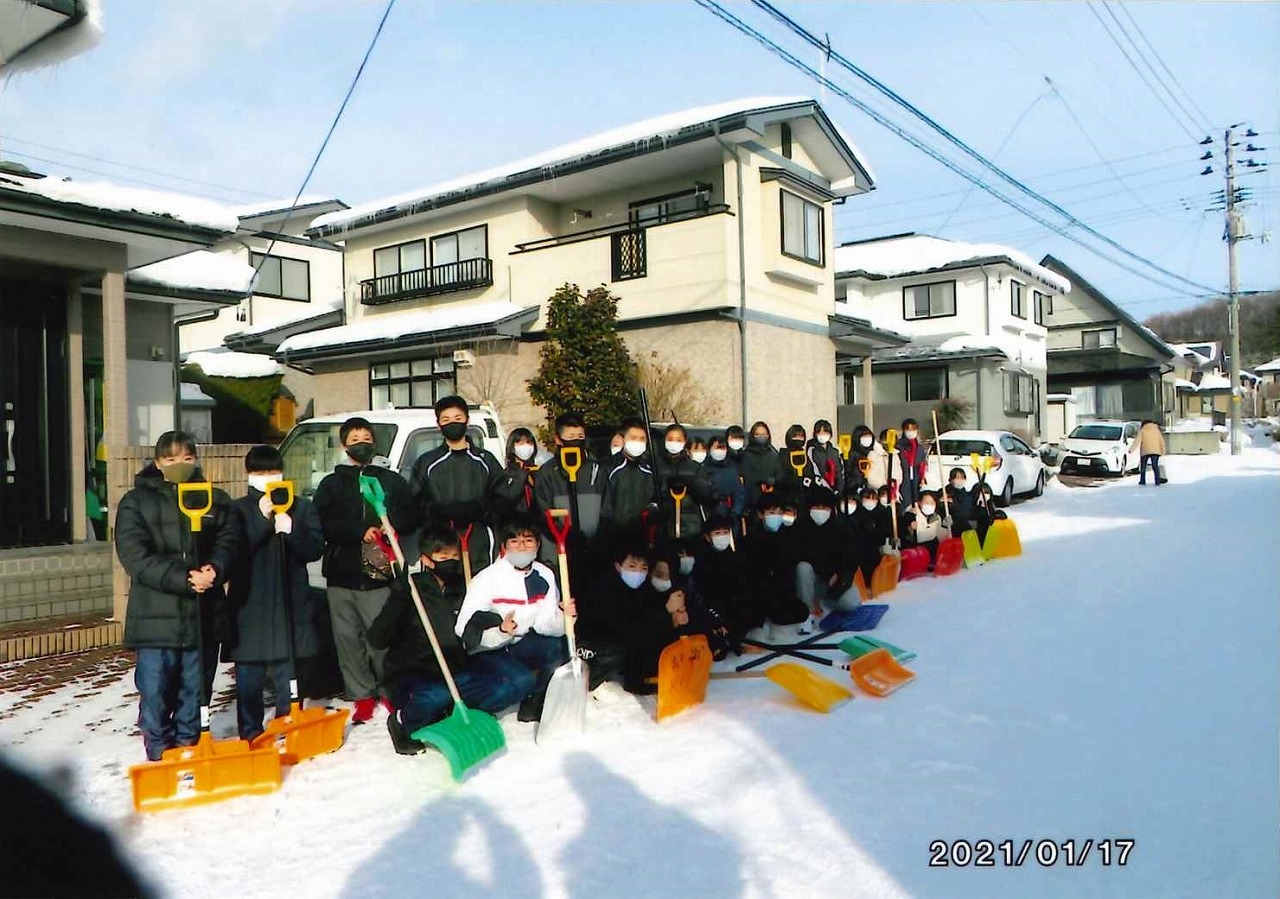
<point x="194" y="211"/>
<point x="1060" y="398"/>
<point x="199" y="270"/>
<point x="314" y="309"/>
<point x="280" y="204"/>
<point x="664" y="126"/>
<point x="1183" y="384"/>
<point x="62" y="44"/>
<point x="960" y="342"/>
<point x="1214" y="382"/>
<point x="229" y="364"/>
<point x="385" y="327"/>
<point x="910" y="254"/>
<point x="1273" y="365"/>
<point x="868" y="313"/>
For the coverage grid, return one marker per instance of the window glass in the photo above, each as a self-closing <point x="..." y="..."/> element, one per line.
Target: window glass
<point x="792" y="224"/>
<point x="444" y="250"/>
<point x="312" y="449"/>
<point x="812" y="231"/>
<point x="471" y="244"/>
<point x="929" y="300"/>
<point x="1018" y="299"/>
<point x="268" y="280"/>
<point x="399" y="369"/>
<point x="386" y="262"/>
<point x="295" y="279"/>
<point x="926" y="384"/>
<point x="413" y="256"/>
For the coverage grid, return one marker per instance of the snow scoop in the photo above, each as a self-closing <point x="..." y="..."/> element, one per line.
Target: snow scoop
<point x="819" y="693"/>
<point x="683" y="671"/>
<point x="878" y="674"/>
<point x="211" y="770"/>
<point x="951" y="549"/>
<point x="915" y="563"/>
<point x="845" y="444"/>
<point x="468" y="736"/>
<point x="859" y="645"/>
<point x="798" y="460"/>
<point x="864" y="592"/>
<point x="863" y="618"/>
<point x="973" y="556"/>
<point x="303" y="733"/>
<point x="1002" y="540"/>
<point x="564" y="711"/>
<point x="887" y="574"/>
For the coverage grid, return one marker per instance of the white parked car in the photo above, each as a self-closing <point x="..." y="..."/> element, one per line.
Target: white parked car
<point x="1099" y="447"/>
<point x="1017" y="468"/>
<point x="311" y="449"/>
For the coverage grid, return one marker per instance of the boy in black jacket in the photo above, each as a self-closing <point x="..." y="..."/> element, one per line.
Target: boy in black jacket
<point x="770" y="573"/>
<point x="822" y="546"/>
<point x="488" y="681"/>
<point x="963" y="503"/>
<point x="872" y="529"/>
<point x="615" y="621"/>
<point x="719" y="577"/>
<point x="175" y="575"/>
<point x="357" y="563"/>
<point x="552" y="491"/>
<point x="259" y="596"/>
<point x="630" y="491"/>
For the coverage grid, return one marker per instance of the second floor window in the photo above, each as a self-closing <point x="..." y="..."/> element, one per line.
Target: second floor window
<point x="288" y="279"/>
<point x="1100" y="339"/>
<point x="801" y="228"/>
<point x="473" y="243"/>
<point x="400" y="259"/>
<point x="1043" y="306"/>
<point x="929" y="300"/>
<point x="1018" y="299"/>
<point x="671" y="207"/>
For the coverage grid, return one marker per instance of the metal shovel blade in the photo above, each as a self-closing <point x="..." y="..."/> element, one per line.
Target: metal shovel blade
<point x="564" y="711"/>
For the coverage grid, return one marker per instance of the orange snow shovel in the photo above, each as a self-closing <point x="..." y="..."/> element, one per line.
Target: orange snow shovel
<point x="211" y="770"/>
<point x="303" y="733"/>
<point x="683" y="671"/>
<point x="845" y="444"/>
<point x="951" y="549"/>
<point x="886" y="574"/>
<point x="819" y="693"/>
<point x="878" y="673"/>
<point x="564" y="710"/>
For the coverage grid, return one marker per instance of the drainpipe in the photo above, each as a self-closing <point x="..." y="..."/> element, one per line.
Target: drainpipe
<point x="742" y="275"/>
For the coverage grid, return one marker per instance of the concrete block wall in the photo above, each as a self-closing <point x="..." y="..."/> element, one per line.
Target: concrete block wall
<point x="54" y="581"/>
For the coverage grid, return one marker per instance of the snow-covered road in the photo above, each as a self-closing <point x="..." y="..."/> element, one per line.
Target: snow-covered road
<point x="1116" y="682"/>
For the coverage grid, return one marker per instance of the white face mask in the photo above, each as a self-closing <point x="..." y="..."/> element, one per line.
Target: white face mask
<point x="635" y="448"/>
<point x="824" y="439"/>
<point x="719" y="454"/>
<point x="686" y="564"/>
<point x="675" y="446"/>
<point x="736" y="443"/>
<point x="870" y="504"/>
<point x="633" y="579"/>
<point x="524" y="451"/>
<point x="523" y="558"/>
<point x="820" y="516"/>
<point x="911" y="435"/>
<point x="662" y="586"/>
<point x="957" y="485"/>
<point x="788" y="519"/>
<point x="720" y="540"/>
<point x="259" y="482"/>
<point x="885" y="503"/>
<point x="927" y="509"/>
<point x="698" y="456"/>
<point x="866" y="441"/>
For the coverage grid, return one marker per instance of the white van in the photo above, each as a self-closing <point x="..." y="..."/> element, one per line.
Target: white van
<point x="312" y="448"/>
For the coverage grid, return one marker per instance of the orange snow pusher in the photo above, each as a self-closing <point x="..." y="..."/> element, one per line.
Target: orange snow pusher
<point x="886" y="575"/>
<point x="878" y="673"/>
<point x="683" y="671"/>
<point x="303" y="733"/>
<point x="817" y="692"/>
<point x="211" y="770"/>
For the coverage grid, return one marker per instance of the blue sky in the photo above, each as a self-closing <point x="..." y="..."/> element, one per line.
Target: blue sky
<point x="238" y="96"/>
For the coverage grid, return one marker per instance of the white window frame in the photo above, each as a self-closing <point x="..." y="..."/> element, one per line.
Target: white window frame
<point x="909" y="312"/>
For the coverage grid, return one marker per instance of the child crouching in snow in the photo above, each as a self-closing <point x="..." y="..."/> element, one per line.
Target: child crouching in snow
<point x="924" y="526"/>
<point x="413" y="680"/>
<point x="513" y="608"/>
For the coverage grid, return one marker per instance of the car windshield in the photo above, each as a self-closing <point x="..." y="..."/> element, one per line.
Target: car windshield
<point x="1096" y="432"/>
<point x="312" y="450"/>
<point x="965" y="447"/>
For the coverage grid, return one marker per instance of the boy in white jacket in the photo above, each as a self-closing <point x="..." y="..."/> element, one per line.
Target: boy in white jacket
<point x="513" y="607"/>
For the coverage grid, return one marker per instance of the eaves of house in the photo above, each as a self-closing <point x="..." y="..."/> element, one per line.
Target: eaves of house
<point x="1136" y="327"/>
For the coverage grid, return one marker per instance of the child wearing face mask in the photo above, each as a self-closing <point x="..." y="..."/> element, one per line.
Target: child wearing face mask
<point x="984" y="510"/>
<point x="758" y="465"/>
<point x="553" y="490"/>
<point x="676" y="613"/>
<point x="788" y="480"/>
<point x="962" y="501"/>
<point x="489" y="681"/>
<point x="872" y="530"/>
<point x="259" y="596"/>
<point x="822" y="546"/>
<point x="923" y="525"/>
<point x="912" y="463"/>
<point x="175" y="575"/>
<point x="776" y="612"/>
<point x="698" y="450"/>
<point x="868" y="464"/>
<point x="677" y="473"/>
<point x="356" y="561"/>
<point x="735" y="439"/>
<point x="824" y="456"/>
<point x="630" y="488"/>
<point x="619" y="617"/>
<point x="720" y="575"/>
<point x="514" y="608"/>
<point x="727" y="493"/>
<point x="521" y="473"/>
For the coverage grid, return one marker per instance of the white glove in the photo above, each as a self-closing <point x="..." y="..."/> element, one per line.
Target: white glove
<point x="284" y="523"/>
<point x="946" y="523"/>
<point x="264" y="506"/>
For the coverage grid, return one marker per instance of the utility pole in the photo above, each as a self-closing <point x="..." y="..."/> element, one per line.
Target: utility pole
<point x="1235" y="229"/>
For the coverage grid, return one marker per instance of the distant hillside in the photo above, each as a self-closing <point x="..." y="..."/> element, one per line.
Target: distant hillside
<point x="1259" y="326"/>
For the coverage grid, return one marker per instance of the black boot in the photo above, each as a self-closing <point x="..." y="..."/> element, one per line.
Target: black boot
<point x="403" y="743"/>
<point x="531" y="708"/>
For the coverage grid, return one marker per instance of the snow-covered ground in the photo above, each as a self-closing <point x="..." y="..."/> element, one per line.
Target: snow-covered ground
<point x="1118" y="681"/>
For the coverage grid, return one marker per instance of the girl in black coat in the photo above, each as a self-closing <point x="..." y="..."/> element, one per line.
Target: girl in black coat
<point x="264" y="604"/>
<point x="758" y="464"/>
<point x="872" y="527"/>
<point x="517" y="493"/>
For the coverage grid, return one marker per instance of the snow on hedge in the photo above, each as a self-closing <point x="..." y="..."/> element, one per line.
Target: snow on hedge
<point x="199" y="270"/>
<point x="229" y="364"/>
<point x="388" y="327"/>
<point x="913" y="254"/>
<point x="659" y="128"/>
<point x="194" y="211"/>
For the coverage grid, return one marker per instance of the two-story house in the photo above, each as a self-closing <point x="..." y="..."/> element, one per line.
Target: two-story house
<point x="1109" y="362"/>
<point x="713" y="227"/>
<point x="975" y="315"/>
<point x="1269" y="386"/>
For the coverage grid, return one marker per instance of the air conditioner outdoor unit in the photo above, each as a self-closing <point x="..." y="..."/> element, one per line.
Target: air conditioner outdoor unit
<point x="464" y="358"/>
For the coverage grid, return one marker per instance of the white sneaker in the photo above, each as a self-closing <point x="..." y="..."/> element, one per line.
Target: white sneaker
<point x="761" y="634"/>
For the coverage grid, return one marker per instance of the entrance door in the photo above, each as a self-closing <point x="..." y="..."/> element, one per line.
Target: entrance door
<point x="34" y="414"/>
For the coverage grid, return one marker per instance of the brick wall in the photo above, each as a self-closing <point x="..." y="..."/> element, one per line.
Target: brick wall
<point x="54" y="581"/>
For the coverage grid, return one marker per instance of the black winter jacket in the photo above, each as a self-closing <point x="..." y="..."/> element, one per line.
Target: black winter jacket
<point x="551" y="491"/>
<point x="827" y="464"/>
<point x="256" y="594"/>
<point x="459" y="486"/>
<point x="828" y="548"/>
<point x="345" y="517"/>
<point x="964" y="508"/>
<point x="610" y="612"/>
<point x="398" y="629"/>
<point x="629" y="492"/>
<point x="758" y="465"/>
<point x="674" y="473"/>
<point x="727" y="493"/>
<point x="156" y="547"/>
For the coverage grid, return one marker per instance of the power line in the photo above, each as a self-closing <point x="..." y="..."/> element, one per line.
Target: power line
<point x="724" y="15"/>
<point x="80" y="168"/>
<point x="1115" y="40"/>
<point x="951" y="138"/>
<point x="1205" y="121"/>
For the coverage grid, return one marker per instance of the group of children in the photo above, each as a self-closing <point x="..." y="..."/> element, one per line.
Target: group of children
<point x="732" y="539"/>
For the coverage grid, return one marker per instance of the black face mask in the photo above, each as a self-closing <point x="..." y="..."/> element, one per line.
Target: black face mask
<point x="454" y="430"/>
<point x="760" y="439"/>
<point x="448" y="569"/>
<point x="796" y="443"/>
<point x="362" y="453"/>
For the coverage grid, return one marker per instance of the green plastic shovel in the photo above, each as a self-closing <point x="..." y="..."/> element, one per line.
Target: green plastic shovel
<point x="858" y="646"/>
<point x="468" y="736"/>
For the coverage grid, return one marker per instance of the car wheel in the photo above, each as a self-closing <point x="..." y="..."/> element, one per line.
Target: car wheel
<point x="1006" y="495"/>
<point x="1039" y="491"/>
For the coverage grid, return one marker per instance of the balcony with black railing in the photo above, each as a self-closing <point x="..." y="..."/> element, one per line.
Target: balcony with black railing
<point x="451" y="277"/>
